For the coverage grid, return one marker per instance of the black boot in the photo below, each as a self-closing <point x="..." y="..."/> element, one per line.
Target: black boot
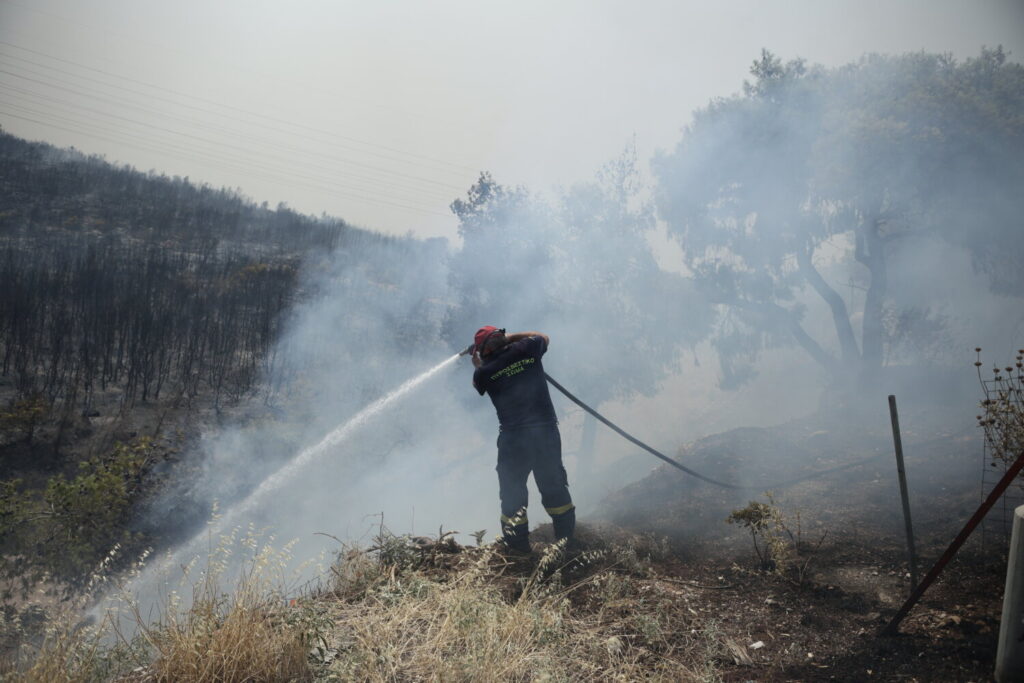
<point x="564" y="524"/>
<point x="515" y="532"/>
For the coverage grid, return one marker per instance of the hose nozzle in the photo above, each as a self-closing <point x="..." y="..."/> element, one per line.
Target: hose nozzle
<point x="468" y="351"/>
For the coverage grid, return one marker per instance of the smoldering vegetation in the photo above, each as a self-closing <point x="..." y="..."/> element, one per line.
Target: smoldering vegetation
<point x="819" y="239"/>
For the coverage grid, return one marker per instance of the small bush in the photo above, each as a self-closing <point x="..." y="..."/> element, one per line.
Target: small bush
<point x="64" y="533"/>
<point x="780" y="549"/>
<point x="22" y="417"/>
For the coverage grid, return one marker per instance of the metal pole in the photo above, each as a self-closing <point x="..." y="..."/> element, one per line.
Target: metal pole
<point x="971" y="525"/>
<point x="902" y="471"/>
<point x="1010" y="653"/>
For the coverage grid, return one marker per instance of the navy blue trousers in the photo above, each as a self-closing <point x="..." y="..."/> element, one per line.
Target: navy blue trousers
<point x="535" y="449"/>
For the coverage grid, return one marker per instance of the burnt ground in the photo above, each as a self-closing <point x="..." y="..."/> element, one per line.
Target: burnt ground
<point x="823" y="623"/>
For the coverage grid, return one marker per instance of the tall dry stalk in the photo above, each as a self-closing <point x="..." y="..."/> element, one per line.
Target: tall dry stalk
<point x="1002" y="409"/>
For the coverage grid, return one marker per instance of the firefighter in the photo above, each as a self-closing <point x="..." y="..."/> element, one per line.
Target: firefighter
<point x="509" y="370"/>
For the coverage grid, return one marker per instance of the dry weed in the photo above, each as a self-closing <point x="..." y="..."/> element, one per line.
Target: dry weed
<point x="477" y="623"/>
<point x="243" y="632"/>
<point x="248" y="632"/>
<point x="406" y="613"/>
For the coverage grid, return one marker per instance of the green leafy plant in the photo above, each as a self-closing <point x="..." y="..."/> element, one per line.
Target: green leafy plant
<point x="22" y="417"/>
<point x="778" y="545"/>
<point x="76" y="521"/>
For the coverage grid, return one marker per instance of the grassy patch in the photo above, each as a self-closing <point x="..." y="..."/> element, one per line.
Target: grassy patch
<point x="406" y="609"/>
<point x="473" y="615"/>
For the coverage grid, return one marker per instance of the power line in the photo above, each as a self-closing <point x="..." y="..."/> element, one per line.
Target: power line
<point x="164" y="147"/>
<point x="93" y="28"/>
<point x="248" y="163"/>
<point x="332" y="135"/>
<point x="84" y="94"/>
<point x="189" y="156"/>
<point x="363" y="179"/>
<point x="152" y="143"/>
<point x="271" y="173"/>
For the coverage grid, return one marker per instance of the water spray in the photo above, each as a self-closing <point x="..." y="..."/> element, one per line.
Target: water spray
<point x="184" y="553"/>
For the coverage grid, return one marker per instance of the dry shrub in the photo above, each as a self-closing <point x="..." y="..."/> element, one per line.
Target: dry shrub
<point x="782" y="549"/>
<point x="246" y="633"/>
<point x="465" y="614"/>
<point x="241" y="637"/>
<point x="479" y="623"/>
<point x="1002" y="416"/>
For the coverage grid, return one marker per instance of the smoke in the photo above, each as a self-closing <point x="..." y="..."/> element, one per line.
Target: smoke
<point x="339" y="442"/>
<point x="370" y="326"/>
<point x="803" y="159"/>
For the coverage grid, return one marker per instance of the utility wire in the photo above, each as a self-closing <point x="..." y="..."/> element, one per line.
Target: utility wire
<point x="232" y="118"/>
<point x="191" y="157"/>
<point x="367" y="183"/>
<point x="208" y="141"/>
<point x="247" y="165"/>
<point x="454" y="166"/>
<point x="362" y="179"/>
<point x="391" y="184"/>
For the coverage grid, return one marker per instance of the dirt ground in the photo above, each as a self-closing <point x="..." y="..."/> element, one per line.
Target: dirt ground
<point x="824" y="624"/>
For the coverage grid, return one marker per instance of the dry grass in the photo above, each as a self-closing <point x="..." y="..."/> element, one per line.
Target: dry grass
<point x="405" y="611"/>
<point x="59" y="645"/>
<point x="241" y="637"/>
<point x="247" y="633"/>
<point x="477" y="620"/>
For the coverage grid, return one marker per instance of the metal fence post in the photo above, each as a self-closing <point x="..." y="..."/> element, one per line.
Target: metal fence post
<point x="901" y="470"/>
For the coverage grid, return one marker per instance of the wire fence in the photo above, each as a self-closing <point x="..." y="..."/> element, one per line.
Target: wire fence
<point x="1003" y="408"/>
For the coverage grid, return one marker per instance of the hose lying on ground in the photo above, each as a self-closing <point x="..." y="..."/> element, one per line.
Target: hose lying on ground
<point x="693" y="473"/>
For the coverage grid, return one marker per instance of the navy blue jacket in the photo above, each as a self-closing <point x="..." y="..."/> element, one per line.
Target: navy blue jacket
<point x="514" y="379"/>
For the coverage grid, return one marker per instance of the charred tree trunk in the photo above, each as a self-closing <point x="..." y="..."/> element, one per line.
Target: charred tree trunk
<point x="850" y="354"/>
<point x="870" y="251"/>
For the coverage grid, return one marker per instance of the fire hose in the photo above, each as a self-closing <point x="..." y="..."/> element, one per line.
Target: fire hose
<point x="693" y="473"/>
<point x="917" y="591"/>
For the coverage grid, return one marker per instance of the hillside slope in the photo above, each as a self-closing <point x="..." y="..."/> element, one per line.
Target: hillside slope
<point x="671" y="592"/>
<point x="138" y="311"/>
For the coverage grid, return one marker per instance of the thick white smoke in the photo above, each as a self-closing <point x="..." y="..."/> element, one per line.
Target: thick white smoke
<point x="629" y="334"/>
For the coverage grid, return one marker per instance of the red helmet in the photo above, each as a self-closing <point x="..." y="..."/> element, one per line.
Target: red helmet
<point x="483" y="334"/>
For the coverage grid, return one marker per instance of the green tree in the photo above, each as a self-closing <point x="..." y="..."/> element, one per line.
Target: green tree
<point x="580" y="269"/>
<point x="506" y="252"/>
<point x="636" y="316"/>
<point x="23" y="416"/>
<point x="67" y="530"/>
<point x="811" y="171"/>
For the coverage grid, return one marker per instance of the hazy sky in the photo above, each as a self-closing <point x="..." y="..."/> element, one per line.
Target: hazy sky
<point x="383" y="112"/>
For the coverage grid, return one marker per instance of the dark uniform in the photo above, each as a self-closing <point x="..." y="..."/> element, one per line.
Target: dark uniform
<point x="528" y="441"/>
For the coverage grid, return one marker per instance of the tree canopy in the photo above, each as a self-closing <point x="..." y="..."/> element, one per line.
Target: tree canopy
<point x="580" y="269"/>
<point x="813" y="175"/>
